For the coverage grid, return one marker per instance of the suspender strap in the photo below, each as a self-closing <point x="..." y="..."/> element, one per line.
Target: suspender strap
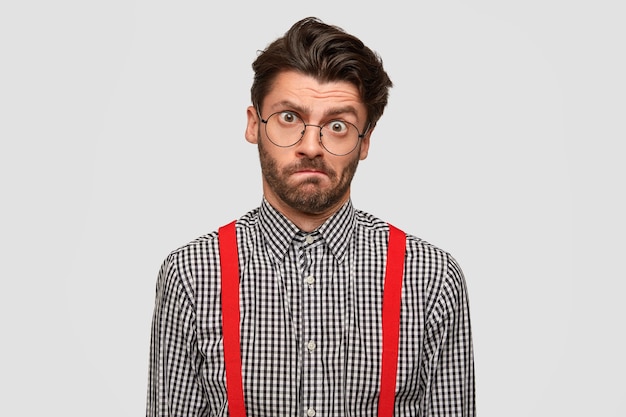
<point x="391" y="320"/>
<point x="229" y="263"/>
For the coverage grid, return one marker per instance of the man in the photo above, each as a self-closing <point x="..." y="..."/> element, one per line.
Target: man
<point x="306" y="306"/>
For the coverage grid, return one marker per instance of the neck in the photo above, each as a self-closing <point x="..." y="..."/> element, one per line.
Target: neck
<point x="307" y="222"/>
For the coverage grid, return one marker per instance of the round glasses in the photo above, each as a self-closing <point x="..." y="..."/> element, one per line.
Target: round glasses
<point x="286" y="128"/>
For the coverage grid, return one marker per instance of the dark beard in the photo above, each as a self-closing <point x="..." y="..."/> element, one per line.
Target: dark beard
<point x="310" y="202"/>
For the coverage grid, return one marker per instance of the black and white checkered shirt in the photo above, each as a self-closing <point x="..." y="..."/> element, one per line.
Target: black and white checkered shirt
<point x="310" y="324"/>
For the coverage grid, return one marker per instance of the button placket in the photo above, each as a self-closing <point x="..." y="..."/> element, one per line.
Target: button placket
<point x="311" y="245"/>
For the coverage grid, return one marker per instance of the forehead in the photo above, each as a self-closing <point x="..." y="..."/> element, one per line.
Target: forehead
<point x="311" y="95"/>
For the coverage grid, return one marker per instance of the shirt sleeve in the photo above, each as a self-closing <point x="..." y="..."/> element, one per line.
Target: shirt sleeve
<point x="448" y="367"/>
<point x="173" y="387"/>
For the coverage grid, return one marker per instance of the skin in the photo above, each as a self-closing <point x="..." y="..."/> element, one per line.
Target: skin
<point x="304" y="182"/>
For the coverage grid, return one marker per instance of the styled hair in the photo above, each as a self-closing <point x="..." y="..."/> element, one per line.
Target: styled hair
<point x="328" y="54"/>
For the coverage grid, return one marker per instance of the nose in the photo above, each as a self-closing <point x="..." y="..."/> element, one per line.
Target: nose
<point x="311" y="144"/>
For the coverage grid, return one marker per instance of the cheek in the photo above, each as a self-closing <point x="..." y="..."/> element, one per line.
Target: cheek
<point x="345" y="170"/>
<point x="270" y="155"/>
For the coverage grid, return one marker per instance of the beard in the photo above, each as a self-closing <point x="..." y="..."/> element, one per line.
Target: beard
<point x="307" y="196"/>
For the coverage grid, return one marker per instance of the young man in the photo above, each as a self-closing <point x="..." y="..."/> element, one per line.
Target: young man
<point x="306" y="306"/>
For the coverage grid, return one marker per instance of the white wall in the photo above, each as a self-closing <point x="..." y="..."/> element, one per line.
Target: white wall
<point x="121" y="129"/>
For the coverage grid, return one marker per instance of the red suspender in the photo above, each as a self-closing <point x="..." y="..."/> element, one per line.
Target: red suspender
<point x="229" y="263"/>
<point x="391" y="320"/>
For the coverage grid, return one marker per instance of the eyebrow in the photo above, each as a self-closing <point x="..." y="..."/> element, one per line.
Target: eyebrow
<point x="306" y="110"/>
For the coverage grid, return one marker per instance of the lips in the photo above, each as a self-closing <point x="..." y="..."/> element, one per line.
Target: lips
<point x="309" y="168"/>
<point x="310" y="171"/>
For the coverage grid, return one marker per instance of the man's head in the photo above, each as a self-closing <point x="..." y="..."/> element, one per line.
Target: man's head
<point x="317" y="95"/>
<point x="327" y="53"/>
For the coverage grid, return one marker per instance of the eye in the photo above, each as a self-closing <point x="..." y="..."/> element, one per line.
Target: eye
<point x="288" y="117"/>
<point x="337" y="127"/>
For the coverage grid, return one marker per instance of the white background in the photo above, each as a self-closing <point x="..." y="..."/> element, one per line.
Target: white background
<point x="121" y="128"/>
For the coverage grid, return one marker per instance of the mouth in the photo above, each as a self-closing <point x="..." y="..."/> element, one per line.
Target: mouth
<point x="309" y="173"/>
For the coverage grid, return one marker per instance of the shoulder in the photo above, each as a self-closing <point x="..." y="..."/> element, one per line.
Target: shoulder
<point x="438" y="274"/>
<point x="202" y="248"/>
<point x="374" y="227"/>
<point x="424" y="261"/>
<point x="197" y="262"/>
<point x="182" y="266"/>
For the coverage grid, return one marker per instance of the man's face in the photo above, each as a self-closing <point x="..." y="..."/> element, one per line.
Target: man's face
<point x="305" y="178"/>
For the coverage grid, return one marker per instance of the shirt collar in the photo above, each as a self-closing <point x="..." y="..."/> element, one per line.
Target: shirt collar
<point x="279" y="232"/>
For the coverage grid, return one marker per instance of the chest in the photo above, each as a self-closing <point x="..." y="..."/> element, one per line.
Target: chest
<point x="311" y="331"/>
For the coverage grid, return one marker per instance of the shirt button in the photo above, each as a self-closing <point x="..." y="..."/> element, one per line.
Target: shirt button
<point x="309" y="280"/>
<point x="311" y="345"/>
<point x="310" y="412"/>
<point x="309" y="239"/>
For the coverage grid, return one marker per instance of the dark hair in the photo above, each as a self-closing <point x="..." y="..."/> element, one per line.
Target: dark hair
<point x="327" y="53"/>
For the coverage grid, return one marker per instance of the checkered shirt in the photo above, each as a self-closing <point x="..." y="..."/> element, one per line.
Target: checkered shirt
<point x="311" y="334"/>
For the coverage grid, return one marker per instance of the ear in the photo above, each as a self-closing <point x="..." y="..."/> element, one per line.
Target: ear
<point x="365" y="144"/>
<point x="252" y="128"/>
